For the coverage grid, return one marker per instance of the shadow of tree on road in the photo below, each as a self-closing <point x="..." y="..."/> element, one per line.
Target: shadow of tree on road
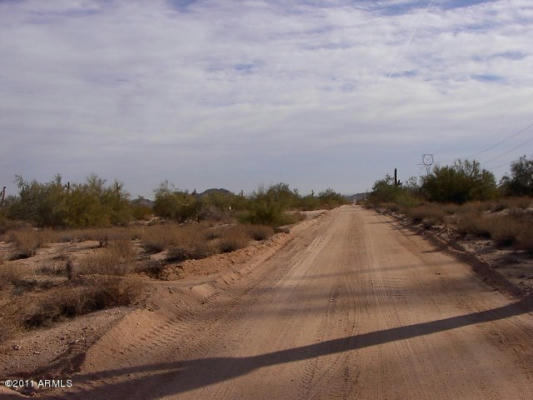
<point x="177" y="377"/>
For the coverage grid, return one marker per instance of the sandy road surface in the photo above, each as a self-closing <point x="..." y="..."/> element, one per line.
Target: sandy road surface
<point x="351" y="308"/>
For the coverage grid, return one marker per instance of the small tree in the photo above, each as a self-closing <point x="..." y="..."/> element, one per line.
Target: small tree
<point x="464" y="181"/>
<point x="521" y="181"/>
<point x="176" y="204"/>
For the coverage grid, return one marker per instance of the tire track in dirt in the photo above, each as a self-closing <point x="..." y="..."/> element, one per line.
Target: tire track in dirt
<point x="350" y="307"/>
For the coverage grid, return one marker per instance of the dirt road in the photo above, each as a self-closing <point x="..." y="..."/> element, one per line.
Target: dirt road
<point x="352" y="307"/>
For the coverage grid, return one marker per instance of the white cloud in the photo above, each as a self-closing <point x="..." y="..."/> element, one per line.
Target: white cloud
<point x="198" y="91"/>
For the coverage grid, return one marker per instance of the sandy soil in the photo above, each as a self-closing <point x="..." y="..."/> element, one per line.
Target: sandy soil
<point x="348" y="305"/>
<point x="508" y="268"/>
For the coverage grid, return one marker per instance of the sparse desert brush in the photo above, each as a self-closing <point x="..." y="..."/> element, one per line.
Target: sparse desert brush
<point x="505" y="230"/>
<point x="141" y="212"/>
<point x="525" y="239"/>
<point x="69" y="302"/>
<point x="156" y="238"/>
<point x="233" y="239"/>
<point x="450" y="209"/>
<point x="512" y="203"/>
<point x="429" y="214"/>
<point x="388" y="206"/>
<point x="102" y="235"/>
<point x="473" y="223"/>
<point x="27" y="241"/>
<point x="160" y="237"/>
<point x="212" y="233"/>
<point x="152" y="268"/>
<point x="116" y="259"/>
<point x="123" y="248"/>
<point x="9" y="274"/>
<point x="502" y="229"/>
<point x="290" y="218"/>
<point x="188" y="251"/>
<point x="259" y="232"/>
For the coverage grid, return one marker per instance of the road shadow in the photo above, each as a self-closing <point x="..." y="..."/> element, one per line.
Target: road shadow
<point x="166" y="379"/>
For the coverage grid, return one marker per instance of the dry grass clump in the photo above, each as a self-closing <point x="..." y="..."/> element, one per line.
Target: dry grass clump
<point x="234" y="238"/>
<point x="188" y="250"/>
<point x="473" y="223"/>
<point x="69" y="302"/>
<point x="182" y="241"/>
<point x="116" y="259"/>
<point x="195" y="241"/>
<point x="160" y="237"/>
<point x="27" y="241"/>
<point x="9" y="274"/>
<point x="152" y="268"/>
<point x="259" y="232"/>
<point x="102" y="235"/>
<point x="511" y="203"/>
<point x="505" y="230"/>
<point x="525" y="239"/>
<point x="429" y="214"/>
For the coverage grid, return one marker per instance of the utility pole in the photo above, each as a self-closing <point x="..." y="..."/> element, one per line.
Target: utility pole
<point x="427" y="161"/>
<point x="395" y="176"/>
<point x="3" y="196"/>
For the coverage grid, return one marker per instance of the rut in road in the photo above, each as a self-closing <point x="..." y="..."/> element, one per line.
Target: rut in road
<point x="353" y="307"/>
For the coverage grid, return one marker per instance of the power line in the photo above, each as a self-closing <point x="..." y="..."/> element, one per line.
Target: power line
<point x="505" y="164"/>
<point x="493" y="146"/>
<point x="509" y="151"/>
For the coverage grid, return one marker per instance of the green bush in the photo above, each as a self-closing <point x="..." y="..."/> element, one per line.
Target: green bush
<point x="54" y="204"/>
<point x="175" y="204"/>
<point x="403" y="195"/>
<point x="520" y="183"/>
<point x="464" y="181"/>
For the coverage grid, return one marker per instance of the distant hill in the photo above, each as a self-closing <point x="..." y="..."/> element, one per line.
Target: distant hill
<point x="141" y="201"/>
<point x="356" y="197"/>
<point x="214" y="191"/>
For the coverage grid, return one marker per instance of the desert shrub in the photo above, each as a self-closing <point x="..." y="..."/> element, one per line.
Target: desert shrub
<point x="512" y="203"/>
<point x="525" y="239"/>
<point x="176" y="205"/>
<point x="264" y="211"/>
<point x="385" y="193"/>
<point x="389" y="206"/>
<point x="102" y="235"/>
<point x="309" y="202"/>
<point x="188" y="251"/>
<point x="233" y="239"/>
<point x="115" y="259"/>
<point x="429" y="214"/>
<point x="330" y="199"/>
<point x="212" y="233"/>
<point x="9" y="274"/>
<point x="152" y="268"/>
<point x="473" y="223"/>
<point x="270" y="206"/>
<point x="54" y="204"/>
<point x="259" y="232"/>
<point x="520" y="183"/>
<point x="6" y="223"/>
<point x="218" y="204"/>
<point x="505" y="230"/>
<point x="141" y="212"/>
<point x="157" y="238"/>
<point x="182" y="242"/>
<point x="73" y="301"/>
<point x="464" y="181"/>
<point x="27" y="241"/>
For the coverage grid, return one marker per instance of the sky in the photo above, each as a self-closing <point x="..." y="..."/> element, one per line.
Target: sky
<point x="244" y="93"/>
